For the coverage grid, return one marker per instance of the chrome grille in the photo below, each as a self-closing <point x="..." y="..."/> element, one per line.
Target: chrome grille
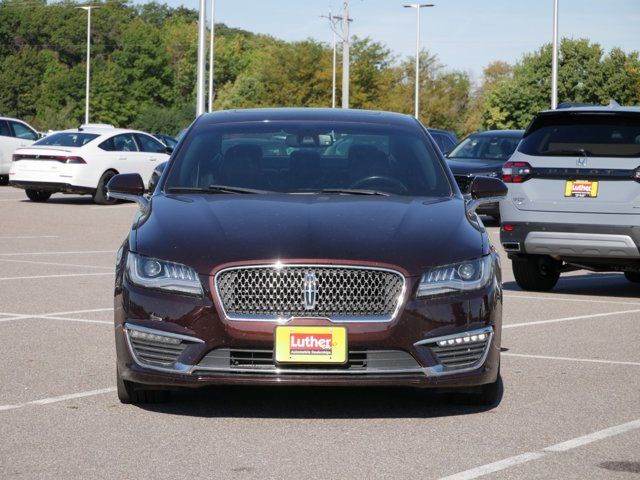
<point x="336" y="292"/>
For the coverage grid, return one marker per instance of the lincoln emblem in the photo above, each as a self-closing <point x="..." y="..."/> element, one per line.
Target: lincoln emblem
<point x="309" y="291"/>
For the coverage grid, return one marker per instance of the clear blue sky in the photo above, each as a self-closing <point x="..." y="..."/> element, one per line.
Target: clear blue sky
<point x="465" y="34"/>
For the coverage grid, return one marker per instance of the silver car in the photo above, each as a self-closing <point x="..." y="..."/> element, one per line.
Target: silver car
<point x="574" y="196"/>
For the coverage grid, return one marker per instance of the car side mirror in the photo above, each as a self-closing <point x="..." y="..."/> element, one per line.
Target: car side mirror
<point x="168" y="150"/>
<point x="487" y="187"/>
<point x="446" y="154"/>
<point x="127" y="186"/>
<point x="485" y="190"/>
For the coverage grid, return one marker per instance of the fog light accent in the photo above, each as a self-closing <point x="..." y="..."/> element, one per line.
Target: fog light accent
<point x="476" y="337"/>
<point x="152" y="337"/>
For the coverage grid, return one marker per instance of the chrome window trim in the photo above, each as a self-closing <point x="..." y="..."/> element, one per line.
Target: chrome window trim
<point x="333" y="319"/>
<point x="440" y="370"/>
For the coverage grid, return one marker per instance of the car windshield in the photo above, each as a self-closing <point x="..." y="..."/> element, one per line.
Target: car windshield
<point x="486" y="147"/>
<point x="593" y="135"/>
<point x="307" y="157"/>
<point x="67" y="139"/>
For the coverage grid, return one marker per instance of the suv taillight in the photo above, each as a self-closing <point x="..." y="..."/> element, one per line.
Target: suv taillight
<point x="516" y="172"/>
<point x="55" y="158"/>
<point x="72" y="159"/>
<point x="17" y="157"/>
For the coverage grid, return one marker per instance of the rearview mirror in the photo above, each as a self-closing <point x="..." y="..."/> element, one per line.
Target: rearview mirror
<point x="127" y="186"/>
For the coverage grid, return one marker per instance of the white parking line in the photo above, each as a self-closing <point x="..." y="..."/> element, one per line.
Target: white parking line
<point x="12" y="260"/>
<point x="565" y="299"/>
<point x="78" y="252"/>
<point x="106" y="208"/>
<point x="567" y="319"/>
<point x="62" y="275"/>
<point x="62" y="398"/>
<point x="22" y="316"/>
<point x="558" y="447"/>
<point x="569" y="359"/>
<point x="68" y="319"/>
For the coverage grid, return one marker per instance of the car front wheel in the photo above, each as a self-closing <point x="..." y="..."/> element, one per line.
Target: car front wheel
<point x="38" y="195"/>
<point x="633" y="277"/>
<point x="535" y="272"/>
<point x="128" y="393"/>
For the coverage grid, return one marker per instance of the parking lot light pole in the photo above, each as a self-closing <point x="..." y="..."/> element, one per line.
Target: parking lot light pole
<point x="200" y="87"/>
<point x="554" y="61"/>
<point x="211" y="44"/>
<point x="88" y="81"/>
<point x="345" y="54"/>
<point x="333" y="19"/>
<point x="418" y="7"/>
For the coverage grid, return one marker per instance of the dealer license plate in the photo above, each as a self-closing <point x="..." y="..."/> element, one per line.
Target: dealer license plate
<point x="581" y="188"/>
<point x="311" y="344"/>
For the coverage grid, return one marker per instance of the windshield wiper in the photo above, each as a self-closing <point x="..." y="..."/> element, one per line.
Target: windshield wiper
<point x="568" y="151"/>
<point x="353" y="191"/>
<point x="215" y="189"/>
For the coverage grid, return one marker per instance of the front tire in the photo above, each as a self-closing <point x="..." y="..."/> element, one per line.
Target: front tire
<point x="633" y="277"/>
<point x="129" y="394"/>
<point x="38" y="195"/>
<point x="535" y="273"/>
<point x="100" y="197"/>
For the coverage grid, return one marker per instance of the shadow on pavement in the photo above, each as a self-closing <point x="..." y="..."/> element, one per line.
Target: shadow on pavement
<point x="316" y="402"/>
<point x="598" y="284"/>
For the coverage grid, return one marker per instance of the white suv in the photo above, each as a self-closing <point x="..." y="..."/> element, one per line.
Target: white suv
<point x="574" y="196"/>
<point x="14" y="134"/>
<point x="83" y="161"/>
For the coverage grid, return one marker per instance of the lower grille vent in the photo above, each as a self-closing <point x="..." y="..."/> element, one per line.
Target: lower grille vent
<point x="460" y="355"/>
<point x="156" y="352"/>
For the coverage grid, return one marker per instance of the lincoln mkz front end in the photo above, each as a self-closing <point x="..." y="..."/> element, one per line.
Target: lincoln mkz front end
<point x="307" y="247"/>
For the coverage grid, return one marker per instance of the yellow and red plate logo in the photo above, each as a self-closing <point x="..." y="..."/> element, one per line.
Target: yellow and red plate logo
<point x="311" y="344"/>
<point x="581" y="188"/>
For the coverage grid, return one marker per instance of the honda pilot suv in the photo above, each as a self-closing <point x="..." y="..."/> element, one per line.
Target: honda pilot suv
<point x="574" y="196"/>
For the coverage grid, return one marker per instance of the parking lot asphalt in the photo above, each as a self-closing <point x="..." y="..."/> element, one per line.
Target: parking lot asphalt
<point x="570" y="364"/>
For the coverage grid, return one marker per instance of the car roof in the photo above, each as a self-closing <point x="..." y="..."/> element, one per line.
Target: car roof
<point x="504" y="133"/>
<point x="592" y="109"/>
<point x="309" y="114"/>
<point x="100" y="131"/>
<point x="14" y="119"/>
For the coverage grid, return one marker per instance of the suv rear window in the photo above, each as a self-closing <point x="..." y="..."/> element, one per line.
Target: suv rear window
<point x="590" y="134"/>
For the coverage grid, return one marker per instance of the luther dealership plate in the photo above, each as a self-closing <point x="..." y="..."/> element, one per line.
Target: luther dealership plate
<point x="311" y="344"/>
<point x="581" y="188"/>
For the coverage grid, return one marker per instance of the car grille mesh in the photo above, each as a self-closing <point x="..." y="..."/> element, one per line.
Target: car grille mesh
<point x="460" y="355"/>
<point x="279" y="292"/>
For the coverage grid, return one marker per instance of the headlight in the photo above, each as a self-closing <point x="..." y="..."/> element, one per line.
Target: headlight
<point x="459" y="277"/>
<point x="153" y="273"/>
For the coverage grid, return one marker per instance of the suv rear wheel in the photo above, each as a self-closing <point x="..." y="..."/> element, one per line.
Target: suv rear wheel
<point x="535" y="272"/>
<point x="37" y="195"/>
<point x="101" y="197"/>
<point x="633" y="277"/>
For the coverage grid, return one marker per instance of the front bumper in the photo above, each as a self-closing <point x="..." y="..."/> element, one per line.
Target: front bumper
<point x="217" y="350"/>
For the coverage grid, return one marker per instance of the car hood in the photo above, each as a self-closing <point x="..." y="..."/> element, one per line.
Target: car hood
<point x="205" y="231"/>
<point x="471" y="165"/>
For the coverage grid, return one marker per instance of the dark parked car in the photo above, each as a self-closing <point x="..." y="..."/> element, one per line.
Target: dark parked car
<point x="307" y="266"/>
<point x="167" y="140"/>
<point x="483" y="153"/>
<point x="445" y="139"/>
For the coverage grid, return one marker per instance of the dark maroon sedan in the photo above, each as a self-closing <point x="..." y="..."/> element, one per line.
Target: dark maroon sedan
<point x="307" y="247"/>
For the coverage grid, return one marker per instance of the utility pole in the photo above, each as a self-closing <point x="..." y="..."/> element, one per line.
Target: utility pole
<point x="418" y="7"/>
<point x="88" y="80"/>
<point x="200" y="87"/>
<point x="333" y="19"/>
<point x="211" y="43"/>
<point x="345" y="54"/>
<point x="554" y="61"/>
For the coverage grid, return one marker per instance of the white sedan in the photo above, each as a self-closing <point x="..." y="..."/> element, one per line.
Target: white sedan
<point x="14" y="134"/>
<point x="83" y="160"/>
